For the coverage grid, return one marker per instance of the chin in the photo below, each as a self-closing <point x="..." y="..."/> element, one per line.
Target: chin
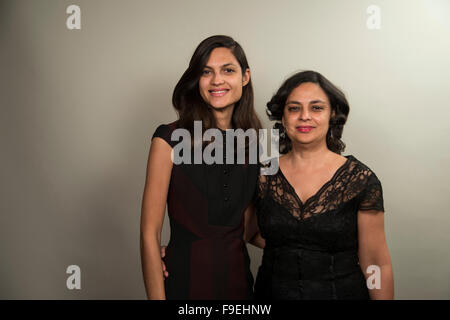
<point x="304" y="141"/>
<point x="220" y="106"/>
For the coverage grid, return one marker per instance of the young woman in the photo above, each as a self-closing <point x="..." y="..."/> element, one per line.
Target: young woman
<point x="321" y="217"/>
<point x="207" y="203"/>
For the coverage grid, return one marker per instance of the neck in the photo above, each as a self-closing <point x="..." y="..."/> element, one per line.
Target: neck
<point x="223" y="117"/>
<point x="309" y="154"/>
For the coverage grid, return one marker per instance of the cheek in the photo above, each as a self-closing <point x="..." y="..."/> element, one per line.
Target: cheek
<point x="323" y="119"/>
<point x="324" y="122"/>
<point x="290" y="120"/>
<point x="203" y="87"/>
<point x="239" y="91"/>
<point x="202" y="84"/>
<point x="237" y="84"/>
<point x="285" y="117"/>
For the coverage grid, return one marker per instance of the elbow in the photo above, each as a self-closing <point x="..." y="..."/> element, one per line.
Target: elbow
<point x="378" y="260"/>
<point x="149" y="237"/>
<point x="249" y="236"/>
<point x="374" y="254"/>
<point x="258" y="241"/>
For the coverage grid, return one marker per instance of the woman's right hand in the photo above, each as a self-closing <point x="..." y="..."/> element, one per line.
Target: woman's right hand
<point x="163" y="254"/>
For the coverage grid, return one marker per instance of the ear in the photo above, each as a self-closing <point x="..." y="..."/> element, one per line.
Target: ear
<point x="246" y="77"/>
<point x="332" y="115"/>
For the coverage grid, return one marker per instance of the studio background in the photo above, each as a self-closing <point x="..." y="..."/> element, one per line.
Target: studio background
<point x="79" y="107"/>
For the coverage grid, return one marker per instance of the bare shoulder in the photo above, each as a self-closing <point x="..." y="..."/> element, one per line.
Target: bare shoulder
<point x="338" y="159"/>
<point x="160" y="153"/>
<point x="159" y="164"/>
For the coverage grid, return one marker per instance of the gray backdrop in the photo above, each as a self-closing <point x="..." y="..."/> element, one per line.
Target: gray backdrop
<point x="79" y="107"/>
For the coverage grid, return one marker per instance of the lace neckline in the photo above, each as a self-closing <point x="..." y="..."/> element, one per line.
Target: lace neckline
<point x="323" y="187"/>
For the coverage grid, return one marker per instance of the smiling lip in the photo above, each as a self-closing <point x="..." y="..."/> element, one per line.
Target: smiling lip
<point x="304" y="128"/>
<point x="218" y="92"/>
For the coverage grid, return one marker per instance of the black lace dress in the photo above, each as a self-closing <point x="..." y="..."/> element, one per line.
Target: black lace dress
<point x="311" y="248"/>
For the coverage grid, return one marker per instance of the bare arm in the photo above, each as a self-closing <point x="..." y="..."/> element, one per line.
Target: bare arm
<point x="159" y="169"/>
<point x="373" y="250"/>
<point x="252" y="234"/>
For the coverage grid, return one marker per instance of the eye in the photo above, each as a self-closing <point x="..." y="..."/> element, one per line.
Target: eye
<point x="229" y="70"/>
<point x="206" y="72"/>
<point x="293" y="108"/>
<point x="317" y="108"/>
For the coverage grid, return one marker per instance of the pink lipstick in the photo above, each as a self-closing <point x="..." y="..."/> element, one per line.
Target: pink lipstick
<point x="304" y="129"/>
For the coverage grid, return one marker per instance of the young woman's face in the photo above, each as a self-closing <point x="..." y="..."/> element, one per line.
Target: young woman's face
<point x="222" y="81"/>
<point x="307" y="114"/>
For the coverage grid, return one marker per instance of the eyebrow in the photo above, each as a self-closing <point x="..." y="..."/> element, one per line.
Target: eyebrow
<point x="311" y="102"/>
<point x="225" y="65"/>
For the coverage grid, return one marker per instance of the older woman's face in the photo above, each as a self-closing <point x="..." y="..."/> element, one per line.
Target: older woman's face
<point x="307" y="114"/>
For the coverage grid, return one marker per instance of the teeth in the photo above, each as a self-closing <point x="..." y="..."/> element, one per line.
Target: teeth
<point x="222" y="91"/>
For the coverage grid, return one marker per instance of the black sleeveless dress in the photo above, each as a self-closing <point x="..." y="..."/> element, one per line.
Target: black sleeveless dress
<point x="311" y="248"/>
<point x="206" y="256"/>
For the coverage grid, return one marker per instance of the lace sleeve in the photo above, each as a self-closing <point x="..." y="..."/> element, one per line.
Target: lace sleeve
<point x="372" y="198"/>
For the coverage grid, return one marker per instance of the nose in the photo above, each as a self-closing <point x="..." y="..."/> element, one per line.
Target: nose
<point x="304" y="114"/>
<point x="217" y="79"/>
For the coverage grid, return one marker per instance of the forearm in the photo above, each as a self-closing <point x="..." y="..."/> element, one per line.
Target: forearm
<point x="373" y="254"/>
<point x="386" y="289"/>
<point x="152" y="268"/>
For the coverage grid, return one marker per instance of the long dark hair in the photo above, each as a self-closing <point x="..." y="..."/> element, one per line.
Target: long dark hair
<point x="186" y="97"/>
<point x="339" y="109"/>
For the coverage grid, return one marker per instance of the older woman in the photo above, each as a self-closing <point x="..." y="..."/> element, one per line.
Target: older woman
<point x="321" y="216"/>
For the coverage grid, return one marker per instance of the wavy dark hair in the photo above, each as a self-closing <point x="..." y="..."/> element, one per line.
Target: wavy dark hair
<point x="339" y="109"/>
<point x="188" y="102"/>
